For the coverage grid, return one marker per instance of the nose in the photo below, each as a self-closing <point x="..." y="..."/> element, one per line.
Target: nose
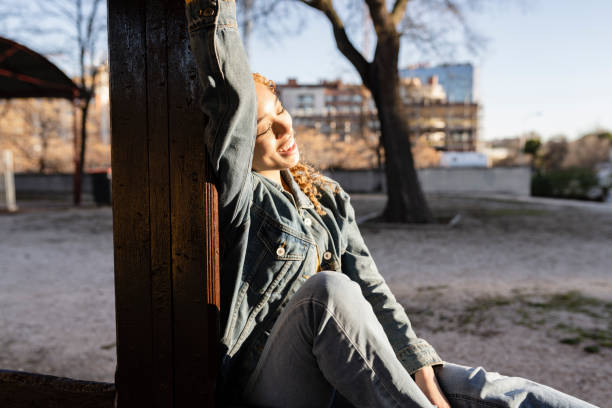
<point x="283" y="125"/>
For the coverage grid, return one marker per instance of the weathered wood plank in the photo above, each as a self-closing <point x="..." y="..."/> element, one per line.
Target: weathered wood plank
<point x="20" y="389"/>
<point x="131" y="229"/>
<point x="193" y="217"/>
<point x="213" y="283"/>
<point x="159" y="191"/>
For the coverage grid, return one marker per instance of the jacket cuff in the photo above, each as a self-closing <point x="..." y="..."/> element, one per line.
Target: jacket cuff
<point x="418" y="355"/>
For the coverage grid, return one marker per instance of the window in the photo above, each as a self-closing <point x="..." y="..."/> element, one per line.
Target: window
<point x="305" y="101"/>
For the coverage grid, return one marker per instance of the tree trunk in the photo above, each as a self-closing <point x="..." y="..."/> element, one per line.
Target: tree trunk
<point x="41" y="164"/>
<point x="81" y="161"/>
<point x="42" y="161"/>
<point x="405" y="199"/>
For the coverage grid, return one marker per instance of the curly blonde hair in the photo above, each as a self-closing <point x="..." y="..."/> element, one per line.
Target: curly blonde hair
<point x="309" y="179"/>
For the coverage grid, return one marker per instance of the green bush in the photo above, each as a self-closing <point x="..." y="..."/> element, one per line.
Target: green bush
<point x="576" y="183"/>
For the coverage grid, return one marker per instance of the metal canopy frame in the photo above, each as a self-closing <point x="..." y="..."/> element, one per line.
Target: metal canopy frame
<point x="24" y="73"/>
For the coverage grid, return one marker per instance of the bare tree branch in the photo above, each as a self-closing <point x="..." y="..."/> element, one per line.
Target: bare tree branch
<point x="265" y="16"/>
<point x="31" y="31"/>
<point x="56" y="9"/>
<point x="381" y="18"/>
<point x="399" y="9"/>
<point x="89" y="37"/>
<point x="343" y="43"/>
<point x="6" y="106"/>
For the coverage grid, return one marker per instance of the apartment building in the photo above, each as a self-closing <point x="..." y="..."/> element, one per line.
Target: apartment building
<point x="458" y="80"/>
<point x="348" y="110"/>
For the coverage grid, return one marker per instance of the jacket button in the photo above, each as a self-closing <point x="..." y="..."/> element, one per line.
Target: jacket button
<point x="327" y="256"/>
<point x="280" y="251"/>
<point x="308" y="222"/>
<point x="207" y="12"/>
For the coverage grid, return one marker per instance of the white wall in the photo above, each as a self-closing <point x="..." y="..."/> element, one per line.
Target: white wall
<point x="495" y="180"/>
<point x="498" y="180"/>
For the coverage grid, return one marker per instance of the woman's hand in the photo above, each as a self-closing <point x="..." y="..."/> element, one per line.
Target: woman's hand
<point x="426" y="380"/>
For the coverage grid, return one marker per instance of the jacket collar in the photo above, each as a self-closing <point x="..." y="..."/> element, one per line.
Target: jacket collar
<point x="301" y="199"/>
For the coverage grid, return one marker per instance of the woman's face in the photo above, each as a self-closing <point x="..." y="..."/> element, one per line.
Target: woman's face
<point x="275" y="147"/>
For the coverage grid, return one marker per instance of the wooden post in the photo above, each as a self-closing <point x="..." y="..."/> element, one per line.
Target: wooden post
<point x="164" y="212"/>
<point x="7" y="189"/>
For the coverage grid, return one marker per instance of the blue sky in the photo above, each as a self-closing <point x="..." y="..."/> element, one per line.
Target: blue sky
<point x="547" y="65"/>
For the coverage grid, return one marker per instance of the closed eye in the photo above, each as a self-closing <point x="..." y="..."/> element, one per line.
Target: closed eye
<point x="282" y="110"/>
<point x="265" y="131"/>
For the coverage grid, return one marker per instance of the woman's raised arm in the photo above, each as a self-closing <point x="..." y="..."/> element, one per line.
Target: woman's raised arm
<point x="229" y="102"/>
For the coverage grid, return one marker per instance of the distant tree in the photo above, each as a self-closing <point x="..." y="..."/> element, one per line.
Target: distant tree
<point x="532" y="146"/>
<point x="35" y="129"/>
<point x="589" y="150"/>
<point x="72" y="30"/>
<point x="552" y="154"/>
<point x="330" y="151"/>
<point x="604" y="135"/>
<point x="424" y="25"/>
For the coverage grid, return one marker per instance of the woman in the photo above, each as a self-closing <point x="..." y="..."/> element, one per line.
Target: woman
<point x="305" y="312"/>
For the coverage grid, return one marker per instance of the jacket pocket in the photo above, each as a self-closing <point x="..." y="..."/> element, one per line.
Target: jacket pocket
<point x="281" y="254"/>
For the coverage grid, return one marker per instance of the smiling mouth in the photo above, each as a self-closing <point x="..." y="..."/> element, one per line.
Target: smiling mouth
<point x="288" y="147"/>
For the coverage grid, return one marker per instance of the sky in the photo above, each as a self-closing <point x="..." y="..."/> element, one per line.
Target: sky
<point x="547" y="65"/>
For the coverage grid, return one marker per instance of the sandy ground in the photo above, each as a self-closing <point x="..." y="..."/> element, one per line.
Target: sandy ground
<point x="519" y="288"/>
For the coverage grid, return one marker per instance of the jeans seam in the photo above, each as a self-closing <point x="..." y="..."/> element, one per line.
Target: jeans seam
<point x="475" y="400"/>
<point x="380" y="378"/>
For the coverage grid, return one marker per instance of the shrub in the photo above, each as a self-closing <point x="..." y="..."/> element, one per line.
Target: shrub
<point x="576" y="183"/>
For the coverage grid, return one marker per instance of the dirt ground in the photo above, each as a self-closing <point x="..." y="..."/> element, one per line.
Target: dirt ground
<point x="520" y="288"/>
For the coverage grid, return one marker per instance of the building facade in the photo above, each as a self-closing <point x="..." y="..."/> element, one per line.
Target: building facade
<point x="458" y="80"/>
<point x="348" y="110"/>
<point x="330" y="107"/>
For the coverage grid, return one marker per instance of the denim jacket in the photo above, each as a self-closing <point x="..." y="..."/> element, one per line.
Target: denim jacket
<point x="272" y="240"/>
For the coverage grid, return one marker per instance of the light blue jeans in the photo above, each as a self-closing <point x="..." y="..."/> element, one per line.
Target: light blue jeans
<point x="328" y="339"/>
